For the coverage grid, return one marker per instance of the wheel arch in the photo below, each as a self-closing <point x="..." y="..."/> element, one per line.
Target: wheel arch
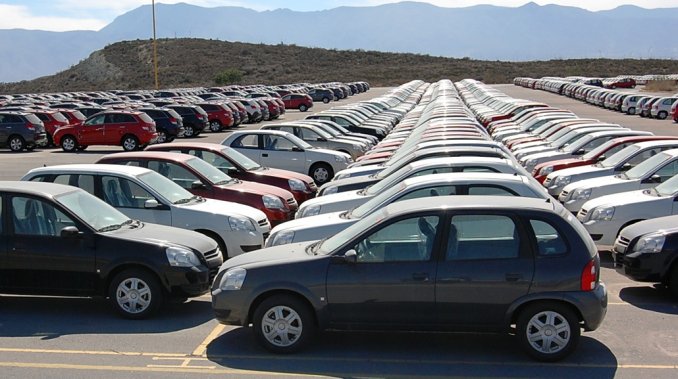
<point x="517" y="308"/>
<point x="319" y="321"/>
<point x="109" y="275"/>
<point x="215" y="236"/>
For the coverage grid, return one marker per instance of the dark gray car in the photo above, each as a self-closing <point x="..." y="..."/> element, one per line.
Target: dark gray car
<point x="21" y="130"/>
<point x="440" y="264"/>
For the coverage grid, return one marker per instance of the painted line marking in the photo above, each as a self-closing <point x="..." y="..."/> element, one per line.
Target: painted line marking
<point x="202" y="348"/>
<point x="186" y="363"/>
<point x="91" y="352"/>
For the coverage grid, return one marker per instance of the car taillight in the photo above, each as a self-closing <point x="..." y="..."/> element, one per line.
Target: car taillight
<point x="173" y="120"/>
<point x="589" y="277"/>
<point x="200" y="116"/>
<point x="30" y="126"/>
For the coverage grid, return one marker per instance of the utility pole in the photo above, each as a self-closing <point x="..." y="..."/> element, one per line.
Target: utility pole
<point x="155" y="49"/>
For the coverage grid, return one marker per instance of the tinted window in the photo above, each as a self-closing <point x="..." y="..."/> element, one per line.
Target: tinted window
<point x="96" y="120"/>
<point x="667" y="171"/>
<point x="487" y="190"/>
<point x="85" y="182"/>
<point x="176" y="173"/>
<point x="250" y="141"/>
<point x="37" y="218"/>
<point x="407" y="240"/>
<point x="214" y="159"/>
<point x="549" y="241"/>
<point x="474" y="237"/>
<point x="430" y="191"/>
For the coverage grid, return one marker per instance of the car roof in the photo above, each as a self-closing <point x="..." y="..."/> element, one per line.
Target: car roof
<point x="648" y="144"/>
<point x="260" y="131"/>
<point x="92" y="168"/>
<point x="187" y="144"/>
<point x="464" y="177"/>
<point x="462" y="160"/>
<point x="165" y="155"/>
<point x="468" y="202"/>
<point x="36" y="188"/>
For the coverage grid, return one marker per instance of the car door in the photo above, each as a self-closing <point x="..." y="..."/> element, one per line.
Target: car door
<point x="392" y="281"/>
<point x="39" y="260"/>
<point x="130" y="198"/>
<point x="661" y="175"/>
<point x="4" y="277"/>
<point x="279" y="152"/>
<point x="114" y="128"/>
<point x="92" y="131"/>
<point x="250" y="145"/>
<point x="486" y="265"/>
<point x="5" y="128"/>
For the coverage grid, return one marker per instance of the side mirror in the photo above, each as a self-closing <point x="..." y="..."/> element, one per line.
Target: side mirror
<point x="70" y="232"/>
<point x="297" y="148"/>
<point x="151" y="203"/>
<point x="601" y="158"/>
<point x="654" y="179"/>
<point x="351" y="256"/>
<point x="579" y="152"/>
<point x="321" y="139"/>
<point x="197" y="185"/>
<point x="625" y="167"/>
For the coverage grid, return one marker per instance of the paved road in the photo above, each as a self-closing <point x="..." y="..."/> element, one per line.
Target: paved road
<point x="82" y="338"/>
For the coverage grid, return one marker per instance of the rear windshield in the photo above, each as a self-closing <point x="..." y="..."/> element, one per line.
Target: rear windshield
<point x="59" y="117"/>
<point x="33" y="119"/>
<point x="145" y="118"/>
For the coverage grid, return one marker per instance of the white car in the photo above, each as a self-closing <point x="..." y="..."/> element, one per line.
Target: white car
<point x="356" y="191"/>
<point x="648" y="173"/>
<point x="606" y="216"/>
<point x="523" y="153"/>
<point x="317" y="137"/>
<point x="328" y="224"/>
<point x="617" y="163"/>
<point x="272" y="148"/>
<point x="145" y="195"/>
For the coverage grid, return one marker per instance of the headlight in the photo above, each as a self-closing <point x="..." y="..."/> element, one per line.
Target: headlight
<point x="602" y="214"/>
<point x="282" y="238"/>
<point x="233" y="279"/>
<point x="330" y="190"/>
<point x="341" y="176"/>
<point x="546" y="170"/>
<point x="651" y="243"/>
<point x="241" y="223"/>
<point x="342" y="158"/>
<point x="563" y="180"/>
<point x="581" y="194"/>
<point x="296" y="185"/>
<point x="272" y="202"/>
<point x="178" y="257"/>
<point x="311" y="210"/>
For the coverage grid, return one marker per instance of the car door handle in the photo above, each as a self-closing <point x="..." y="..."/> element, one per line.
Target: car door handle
<point x="420" y="276"/>
<point x="264" y="155"/>
<point x="513" y="277"/>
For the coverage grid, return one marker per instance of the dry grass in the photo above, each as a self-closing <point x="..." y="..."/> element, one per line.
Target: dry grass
<point x="661" y="86"/>
<point x="196" y="62"/>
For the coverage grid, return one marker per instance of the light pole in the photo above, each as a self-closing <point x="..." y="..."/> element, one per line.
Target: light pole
<point x="155" y="49"/>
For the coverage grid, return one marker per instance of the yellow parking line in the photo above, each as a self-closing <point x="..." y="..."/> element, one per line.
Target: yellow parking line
<point x="202" y="348"/>
<point x="91" y="352"/>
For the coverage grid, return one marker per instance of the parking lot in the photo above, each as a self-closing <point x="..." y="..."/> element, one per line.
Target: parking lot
<point x="67" y="337"/>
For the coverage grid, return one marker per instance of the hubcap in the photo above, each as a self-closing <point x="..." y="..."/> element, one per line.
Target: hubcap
<point x="188" y="132"/>
<point x="162" y="137"/>
<point x="321" y="175"/>
<point x="215" y="126"/>
<point x="548" y="332"/>
<point x="281" y="326"/>
<point x="16" y="144"/>
<point x="130" y="144"/>
<point x="133" y="295"/>
<point x="68" y="144"/>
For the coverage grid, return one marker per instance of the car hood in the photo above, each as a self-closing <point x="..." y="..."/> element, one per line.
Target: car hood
<point x="254" y="188"/>
<point x="220" y="207"/>
<point x="284" y="174"/>
<point x="604" y="184"/>
<point x="637" y="199"/>
<point x="313" y="222"/>
<point x="659" y="224"/>
<point x="283" y="254"/>
<point x="161" y="234"/>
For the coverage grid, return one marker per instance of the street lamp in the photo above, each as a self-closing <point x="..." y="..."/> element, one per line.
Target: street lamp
<point x="155" y="49"/>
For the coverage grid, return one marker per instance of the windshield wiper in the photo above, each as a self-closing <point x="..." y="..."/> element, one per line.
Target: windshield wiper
<point x="227" y="181"/>
<point x="112" y="227"/>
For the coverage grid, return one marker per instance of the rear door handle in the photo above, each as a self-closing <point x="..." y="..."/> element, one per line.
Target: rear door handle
<point x="264" y="155"/>
<point x="513" y="277"/>
<point x="420" y="276"/>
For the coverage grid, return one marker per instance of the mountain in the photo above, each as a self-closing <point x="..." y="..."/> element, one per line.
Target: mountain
<point x="529" y="32"/>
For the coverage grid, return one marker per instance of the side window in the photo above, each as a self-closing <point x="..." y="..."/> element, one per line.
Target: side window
<point x="127" y="118"/>
<point x="308" y="135"/>
<point x="85" y="182"/>
<point x="98" y="120"/>
<point x="595" y="143"/>
<point x="667" y="171"/>
<point x="408" y="240"/>
<point x="113" y="192"/>
<point x="613" y="150"/>
<point x="37" y="218"/>
<point x="643" y="156"/>
<point x="248" y="141"/>
<point x="430" y="171"/>
<point x="430" y="191"/>
<point x="279" y="144"/>
<point x="478" y="169"/>
<point x="214" y="159"/>
<point x="476" y="237"/>
<point x="490" y="190"/>
<point x="549" y="241"/>
<point x="176" y="173"/>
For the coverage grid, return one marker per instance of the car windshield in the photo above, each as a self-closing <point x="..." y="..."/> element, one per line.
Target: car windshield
<point x="240" y="159"/>
<point x="619" y="157"/>
<point x="211" y="173"/>
<point x="645" y="167"/>
<point x="376" y="202"/>
<point x="166" y="188"/>
<point x="93" y="211"/>
<point x="668" y="188"/>
<point x="388" y="180"/>
<point x="330" y="245"/>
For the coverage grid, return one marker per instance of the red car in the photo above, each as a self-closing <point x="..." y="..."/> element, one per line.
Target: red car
<point x="619" y="83"/>
<point x="541" y="171"/>
<point x="674" y="111"/>
<point x="219" y="115"/>
<point x="129" y="129"/>
<point x="298" y="101"/>
<point x="241" y="167"/>
<point x="53" y="120"/>
<point x="203" y="179"/>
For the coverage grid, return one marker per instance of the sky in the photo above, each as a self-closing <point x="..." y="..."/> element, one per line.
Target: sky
<point x="62" y="15"/>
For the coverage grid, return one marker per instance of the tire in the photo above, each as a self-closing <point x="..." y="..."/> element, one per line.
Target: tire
<point x="631" y="111"/>
<point x="303" y="108"/>
<point x="16" y="143"/>
<point x="189" y="131"/>
<point x="69" y="144"/>
<point x="135" y="293"/>
<point x="662" y="115"/>
<point x="162" y="137"/>
<point x="215" y="126"/>
<point x="130" y="143"/>
<point x="283" y="324"/>
<point x="539" y="324"/>
<point x="326" y="100"/>
<point x="673" y="281"/>
<point x="321" y="173"/>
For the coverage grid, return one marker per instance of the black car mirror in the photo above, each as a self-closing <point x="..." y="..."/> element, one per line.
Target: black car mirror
<point x="601" y="158"/>
<point x="579" y="152"/>
<point x="351" y="256"/>
<point x="197" y="185"/>
<point x="321" y="139"/>
<point x="70" y="232"/>
<point x="231" y="171"/>
<point x="625" y="167"/>
<point x="297" y="148"/>
<point x="151" y="203"/>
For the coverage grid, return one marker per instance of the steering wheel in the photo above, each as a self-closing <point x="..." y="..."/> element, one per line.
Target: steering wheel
<point x="364" y="251"/>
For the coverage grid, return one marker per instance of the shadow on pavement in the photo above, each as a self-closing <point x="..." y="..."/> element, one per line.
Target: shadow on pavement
<point x="353" y="354"/>
<point x="656" y="298"/>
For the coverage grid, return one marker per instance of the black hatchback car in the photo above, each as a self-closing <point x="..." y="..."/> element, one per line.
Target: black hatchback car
<point x="60" y="240"/>
<point x="195" y="119"/>
<point x="21" y="130"/>
<point x="437" y="264"/>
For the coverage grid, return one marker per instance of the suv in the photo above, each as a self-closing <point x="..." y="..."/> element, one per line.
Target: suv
<point x="298" y="101"/>
<point x="220" y="116"/>
<point x="130" y="129"/>
<point x="52" y="119"/>
<point x="168" y="124"/>
<point x="449" y="263"/>
<point x="21" y="130"/>
<point x="62" y="241"/>
<point x="321" y="94"/>
<point x="195" y="118"/>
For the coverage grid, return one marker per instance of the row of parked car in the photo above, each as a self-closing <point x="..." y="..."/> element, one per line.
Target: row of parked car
<point x="135" y="119"/>
<point x="659" y="107"/>
<point x="390" y="256"/>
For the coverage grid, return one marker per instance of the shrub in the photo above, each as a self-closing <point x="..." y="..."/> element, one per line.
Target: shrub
<point x="228" y="76"/>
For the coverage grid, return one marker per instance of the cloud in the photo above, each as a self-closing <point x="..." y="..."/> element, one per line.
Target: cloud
<point x="20" y="17"/>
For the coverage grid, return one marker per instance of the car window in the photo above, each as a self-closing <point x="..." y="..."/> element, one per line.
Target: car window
<point x="477" y="237"/>
<point x="277" y="143"/>
<point x="215" y="160"/>
<point x="1" y="215"/>
<point x="667" y="171"/>
<point x="308" y="135"/>
<point x="644" y="155"/>
<point x="442" y="190"/>
<point x="549" y="241"/>
<point x="37" y="218"/>
<point x="176" y="173"/>
<point x="478" y="169"/>
<point x="248" y="141"/>
<point x="430" y="171"/>
<point x="96" y="120"/>
<point x="490" y="190"/>
<point x="85" y="182"/>
<point x="407" y="240"/>
<point x="114" y="193"/>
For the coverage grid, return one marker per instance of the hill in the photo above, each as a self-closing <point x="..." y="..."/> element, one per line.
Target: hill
<point x="529" y="32"/>
<point x="196" y="62"/>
